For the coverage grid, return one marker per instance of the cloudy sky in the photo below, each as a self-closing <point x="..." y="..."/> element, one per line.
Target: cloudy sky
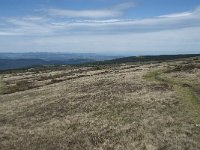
<point x="114" y="27"/>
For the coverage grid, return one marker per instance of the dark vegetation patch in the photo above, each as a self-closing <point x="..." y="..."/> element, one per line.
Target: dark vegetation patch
<point x="160" y="87"/>
<point x="185" y="68"/>
<point x="18" y="86"/>
<point x="198" y="93"/>
<point x="12" y="86"/>
<point x="110" y="86"/>
<point x="186" y="85"/>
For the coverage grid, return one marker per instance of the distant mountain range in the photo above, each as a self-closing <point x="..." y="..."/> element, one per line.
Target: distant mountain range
<point x="152" y="58"/>
<point x="56" y="56"/>
<point x="23" y="60"/>
<point x="6" y="64"/>
<point x="145" y="59"/>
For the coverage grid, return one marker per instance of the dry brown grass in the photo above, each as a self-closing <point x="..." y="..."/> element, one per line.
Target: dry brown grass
<point x="92" y="108"/>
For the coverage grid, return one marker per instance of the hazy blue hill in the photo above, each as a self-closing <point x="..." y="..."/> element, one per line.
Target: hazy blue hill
<point x="145" y="58"/>
<point x="21" y="60"/>
<point x="23" y="63"/>
<point x="19" y="63"/>
<point x="24" y="60"/>
<point x="55" y="56"/>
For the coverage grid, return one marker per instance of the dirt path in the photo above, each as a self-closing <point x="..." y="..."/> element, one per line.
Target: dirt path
<point x="188" y="94"/>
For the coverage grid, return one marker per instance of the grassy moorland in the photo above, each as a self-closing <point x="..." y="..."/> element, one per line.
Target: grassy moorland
<point x="125" y="106"/>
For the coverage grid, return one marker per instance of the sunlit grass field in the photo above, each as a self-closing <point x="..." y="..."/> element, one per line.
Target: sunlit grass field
<point x="125" y="106"/>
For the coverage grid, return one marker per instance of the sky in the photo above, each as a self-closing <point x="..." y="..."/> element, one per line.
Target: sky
<point x="114" y="27"/>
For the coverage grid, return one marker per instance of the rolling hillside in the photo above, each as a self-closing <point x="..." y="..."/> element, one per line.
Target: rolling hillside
<point x="142" y="59"/>
<point x="125" y="106"/>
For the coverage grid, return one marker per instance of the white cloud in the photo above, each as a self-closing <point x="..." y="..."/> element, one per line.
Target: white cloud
<point x="162" y="42"/>
<point x="83" y="13"/>
<point x="123" y="6"/>
<point x="34" y="25"/>
<point x="26" y="26"/>
<point x="168" y="33"/>
<point x="118" y="26"/>
<point x="6" y="33"/>
<point x="114" y="11"/>
<point x="184" y="14"/>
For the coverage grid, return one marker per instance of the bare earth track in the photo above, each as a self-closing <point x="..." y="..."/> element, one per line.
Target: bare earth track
<point x="126" y="106"/>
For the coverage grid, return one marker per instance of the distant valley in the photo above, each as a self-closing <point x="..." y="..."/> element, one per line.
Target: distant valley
<point x="24" y="60"/>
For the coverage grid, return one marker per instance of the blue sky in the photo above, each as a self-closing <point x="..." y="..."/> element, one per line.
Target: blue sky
<point x="127" y="27"/>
